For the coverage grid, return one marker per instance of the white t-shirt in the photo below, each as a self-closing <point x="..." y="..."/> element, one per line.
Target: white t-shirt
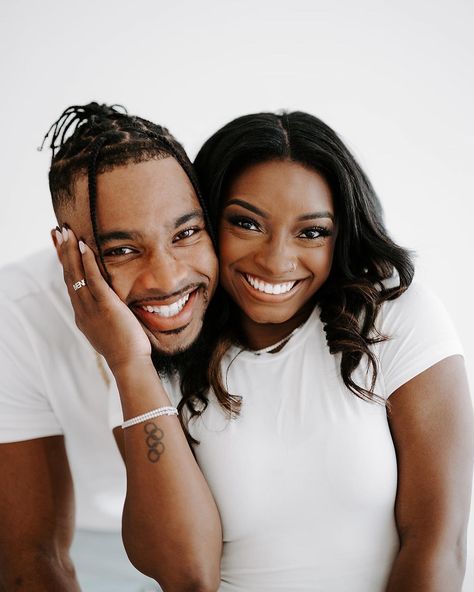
<point x="52" y="382"/>
<point x="305" y="478"/>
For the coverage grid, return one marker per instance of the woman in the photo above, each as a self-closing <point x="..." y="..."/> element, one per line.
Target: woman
<point x="319" y="483"/>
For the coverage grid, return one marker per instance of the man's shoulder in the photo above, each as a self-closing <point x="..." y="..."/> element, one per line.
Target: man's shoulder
<point x="29" y="277"/>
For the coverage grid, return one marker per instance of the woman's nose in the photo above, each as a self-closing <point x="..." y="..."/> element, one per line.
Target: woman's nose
<point x="276" y="258"/>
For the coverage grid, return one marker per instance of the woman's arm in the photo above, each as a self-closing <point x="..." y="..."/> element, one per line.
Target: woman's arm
<point x="171" y="526"/>
<point x="432" y="427"/>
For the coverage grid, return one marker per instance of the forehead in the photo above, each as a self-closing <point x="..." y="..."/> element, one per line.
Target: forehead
<point x="144" y="196"/>
<point x="277" y="185"/>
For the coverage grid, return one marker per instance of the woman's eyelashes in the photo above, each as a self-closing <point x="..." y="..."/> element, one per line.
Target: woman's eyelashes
<point x="315" y="232"/>
<point x="309" y="233"/>
<point x="243" y="222"/>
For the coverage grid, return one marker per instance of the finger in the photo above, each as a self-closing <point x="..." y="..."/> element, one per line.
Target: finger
<point x="98" y="287"/>
<point x="73" y="270"/>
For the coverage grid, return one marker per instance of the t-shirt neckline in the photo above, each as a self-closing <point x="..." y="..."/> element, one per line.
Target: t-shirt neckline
<point x="297" y="337"/>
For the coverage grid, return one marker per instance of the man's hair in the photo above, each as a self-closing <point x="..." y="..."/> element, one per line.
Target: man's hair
<point x="91" y="139"/>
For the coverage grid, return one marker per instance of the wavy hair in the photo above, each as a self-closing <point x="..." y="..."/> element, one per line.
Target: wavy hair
<point x="364" y="254"/>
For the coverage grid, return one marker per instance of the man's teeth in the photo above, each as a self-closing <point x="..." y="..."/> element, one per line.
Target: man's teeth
<point x="170" y="310"/>
<point x="262" y="286"/>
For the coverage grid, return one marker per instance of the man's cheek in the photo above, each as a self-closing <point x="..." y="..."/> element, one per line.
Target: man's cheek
<point x="121" y="287"/>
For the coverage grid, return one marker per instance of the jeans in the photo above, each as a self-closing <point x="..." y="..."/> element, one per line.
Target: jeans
<point x="102" y="564"/>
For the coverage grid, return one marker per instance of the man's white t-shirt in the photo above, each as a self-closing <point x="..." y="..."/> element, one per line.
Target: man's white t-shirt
<point x="305" y="478"/>
<point x="52" y="382"/>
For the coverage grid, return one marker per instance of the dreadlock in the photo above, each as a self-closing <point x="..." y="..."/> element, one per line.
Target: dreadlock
<point x="91" y="139"/>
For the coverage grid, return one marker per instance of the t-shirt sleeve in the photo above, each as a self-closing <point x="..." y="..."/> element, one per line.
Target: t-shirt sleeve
<point x="25" y="410"/>
<point x="115" y="408"/>
<point x="420" y="334"/>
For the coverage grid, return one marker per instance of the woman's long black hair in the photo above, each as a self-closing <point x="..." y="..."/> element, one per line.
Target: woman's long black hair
<point x="364" y="254"/>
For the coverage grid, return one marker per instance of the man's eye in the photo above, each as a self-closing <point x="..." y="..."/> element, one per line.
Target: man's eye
<point x="118" y="252"/>
<point x="243" y="222"/>
<point x="187" y="233"/>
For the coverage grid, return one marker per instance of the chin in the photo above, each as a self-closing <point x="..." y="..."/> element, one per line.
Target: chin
<point x="269" y="317"/>
<point x="173" y="343"/>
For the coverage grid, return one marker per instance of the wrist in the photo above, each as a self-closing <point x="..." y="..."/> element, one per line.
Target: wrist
<point x="132" y="366"/>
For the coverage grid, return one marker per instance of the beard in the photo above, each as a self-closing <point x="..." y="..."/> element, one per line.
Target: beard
<point x="169" y="364"/>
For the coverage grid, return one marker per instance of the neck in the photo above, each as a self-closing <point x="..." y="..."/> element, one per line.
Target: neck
<point x="257" y="336"/>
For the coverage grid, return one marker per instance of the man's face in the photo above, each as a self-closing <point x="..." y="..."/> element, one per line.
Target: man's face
<point x="155" y="247"/>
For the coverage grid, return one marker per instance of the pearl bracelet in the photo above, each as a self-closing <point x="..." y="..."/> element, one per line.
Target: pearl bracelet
<point x="150" y="415"/>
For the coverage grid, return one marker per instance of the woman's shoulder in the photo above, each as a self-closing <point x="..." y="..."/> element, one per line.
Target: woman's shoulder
<point x="417" y="332"/>
<point x="418" y="303"/>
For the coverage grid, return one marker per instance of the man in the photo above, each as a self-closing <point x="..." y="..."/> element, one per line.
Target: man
<point x="54" y="388"/>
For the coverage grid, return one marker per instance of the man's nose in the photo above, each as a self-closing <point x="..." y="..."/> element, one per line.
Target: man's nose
<point x="276" y="257"/>
<point x="163" y="272"/>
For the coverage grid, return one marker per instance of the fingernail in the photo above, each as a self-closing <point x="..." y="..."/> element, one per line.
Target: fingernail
<point x="59" y="237"/>
<point x="65" y="233"/>
<point x="82" y="247"/>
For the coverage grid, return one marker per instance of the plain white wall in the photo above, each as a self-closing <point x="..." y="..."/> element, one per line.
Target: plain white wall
<point x="395" y="79"/>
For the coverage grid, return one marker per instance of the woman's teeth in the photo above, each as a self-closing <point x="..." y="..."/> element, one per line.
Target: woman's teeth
<point x="262" y="286"/>
<point x="169" y="310"/>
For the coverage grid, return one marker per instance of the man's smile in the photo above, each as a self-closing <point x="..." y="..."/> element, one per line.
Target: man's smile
<point x="173" y="315"/>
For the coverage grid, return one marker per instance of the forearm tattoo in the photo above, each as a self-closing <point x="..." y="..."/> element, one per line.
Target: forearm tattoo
<point x="154" y="441"/>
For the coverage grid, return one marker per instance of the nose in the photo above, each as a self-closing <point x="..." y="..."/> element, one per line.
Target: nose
<point x="163" y="273"/>
<point x="276" y="257"/>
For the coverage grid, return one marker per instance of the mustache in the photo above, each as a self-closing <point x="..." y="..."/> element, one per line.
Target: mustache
<point x="157" y="295"/>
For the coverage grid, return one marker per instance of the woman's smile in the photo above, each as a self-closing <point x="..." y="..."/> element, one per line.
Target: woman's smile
<point x="269" y="291"/>
<point x="276" y="239"/>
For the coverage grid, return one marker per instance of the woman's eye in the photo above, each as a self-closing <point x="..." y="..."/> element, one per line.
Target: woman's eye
<point x="187" y="233"/>
<point x="245" y="223"/>
<point x="119" y="252"/>
<point x="314" y="232"/>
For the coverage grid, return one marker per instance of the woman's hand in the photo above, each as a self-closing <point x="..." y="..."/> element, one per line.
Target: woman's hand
<point x="106" y="321"/>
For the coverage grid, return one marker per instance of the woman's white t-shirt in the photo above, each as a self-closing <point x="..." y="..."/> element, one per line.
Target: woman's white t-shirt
<point x="305" y="478"/>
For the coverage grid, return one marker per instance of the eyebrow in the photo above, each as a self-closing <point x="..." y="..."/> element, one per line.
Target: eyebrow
<point x="135" y="235"/>
<point x="313" y="215"/>
<point x="247" y="206"/>
<point x="259" y="212"/>
<point x="187" y="217"/>
<point x="106" y="237"/>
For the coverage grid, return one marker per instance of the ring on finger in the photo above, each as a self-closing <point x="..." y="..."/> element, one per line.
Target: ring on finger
<point x="79" y="284"/>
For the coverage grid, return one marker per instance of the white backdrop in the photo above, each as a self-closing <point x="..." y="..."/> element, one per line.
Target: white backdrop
<point x="395" y="79"/>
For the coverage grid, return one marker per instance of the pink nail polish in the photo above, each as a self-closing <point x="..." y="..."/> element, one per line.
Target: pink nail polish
<point x="59" y="237"/>
<point x="65" y="233"/>
<point x="82" y="247"/>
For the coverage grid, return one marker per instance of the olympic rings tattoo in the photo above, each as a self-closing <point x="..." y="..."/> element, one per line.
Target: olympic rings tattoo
<point x="153" y="441"/>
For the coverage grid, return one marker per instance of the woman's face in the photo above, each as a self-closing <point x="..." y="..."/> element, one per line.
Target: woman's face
<point x="276" y="240"/>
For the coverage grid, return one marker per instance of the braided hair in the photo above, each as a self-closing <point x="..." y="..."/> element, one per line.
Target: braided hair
<point x="93" y="138"/>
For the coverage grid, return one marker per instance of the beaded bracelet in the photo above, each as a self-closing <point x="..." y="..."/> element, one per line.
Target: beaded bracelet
<point x="150" y="415"/>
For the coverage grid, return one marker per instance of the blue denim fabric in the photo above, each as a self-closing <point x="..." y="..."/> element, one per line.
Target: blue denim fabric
<point x="102" y="564"/>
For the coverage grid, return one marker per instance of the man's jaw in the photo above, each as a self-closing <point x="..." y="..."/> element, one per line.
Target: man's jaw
<point x="168" y="362"/>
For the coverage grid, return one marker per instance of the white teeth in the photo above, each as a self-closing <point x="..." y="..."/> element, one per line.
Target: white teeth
<point x="169" y="310"/>
<point x="262" y="286"/>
